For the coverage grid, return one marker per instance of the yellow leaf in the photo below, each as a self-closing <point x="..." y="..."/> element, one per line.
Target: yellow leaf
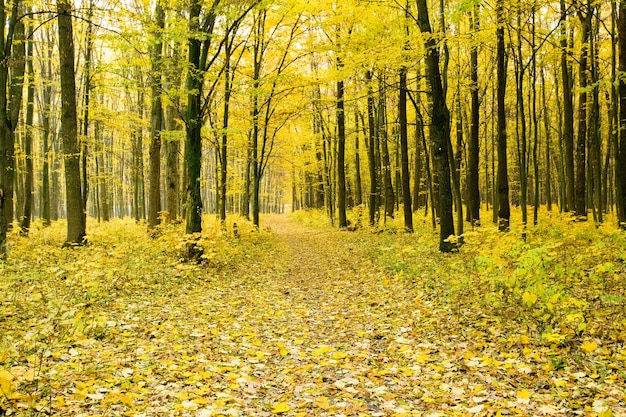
<point x="322" y="350"/>
<point x="280" y="408"/>
<point x="523" y="396"/>
<point x="5" y="381"/>
<point x="323" y="403"/>
<point x="283" y="352"/>
<point x="339" y="355"/>
<point x="529" y="298"/>
<point x="589" y="346"/>
<point x="126" y="400"/>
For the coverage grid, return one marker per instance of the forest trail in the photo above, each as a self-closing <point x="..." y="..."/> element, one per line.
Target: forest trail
<point x="300" y="321"/>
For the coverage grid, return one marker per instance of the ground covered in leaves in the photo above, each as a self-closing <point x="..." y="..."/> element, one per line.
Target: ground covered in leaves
<point x="302" y="319"/>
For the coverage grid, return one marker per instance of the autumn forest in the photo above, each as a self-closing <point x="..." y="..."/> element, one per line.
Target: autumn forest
<point x="285" y="207"/>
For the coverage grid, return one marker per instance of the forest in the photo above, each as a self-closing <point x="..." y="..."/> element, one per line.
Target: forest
<point x="284" y="207"/>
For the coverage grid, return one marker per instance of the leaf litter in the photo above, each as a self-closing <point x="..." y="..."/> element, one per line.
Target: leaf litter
<point x="295" y="322"/>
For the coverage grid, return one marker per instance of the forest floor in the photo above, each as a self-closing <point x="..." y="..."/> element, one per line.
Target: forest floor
<point x="302" y="319"/>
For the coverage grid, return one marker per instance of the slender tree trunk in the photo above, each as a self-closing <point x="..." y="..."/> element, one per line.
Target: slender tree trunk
<point x="404" y="152"/>
<point x="156" y="118"/>
<point x="341" y="154"/>
<point x="522" y="138"/>
<point x="9" y="110"/>
<point x="358" y="193"/>
<point x="256" y="177"/>
<point x="102" y="176"/>
<point x="440" y="129"/>
<point x="504" y="210"/>
<point x="69" y="127"/>
<point x="371" y="150"/>
<point x="581" y="144"/>
<point x="473" y="188"/>
<point x="384" y="149"/>
<point x="29" y="178"/>
<point x="224" y="136"/>
<point x="547" y="127"/>
<point x="535" y="121"/>
<point x="86" y="97"/>
<point x="621" y="158"/>
<point x="568" y="116"/>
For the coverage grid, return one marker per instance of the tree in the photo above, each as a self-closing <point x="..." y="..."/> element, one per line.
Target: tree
<point x="10" y="102"/>
<point x="504" y="210"/>
<point x="28" y="140"/>
<point x="621" y="158"/>
<point x="76" y="229"/>
<point x="473" y="189"/>
<point x="439" y="130"/>
<point x="156" y="117"/>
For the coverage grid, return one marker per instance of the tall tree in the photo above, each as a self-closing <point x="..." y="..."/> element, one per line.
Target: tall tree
<point x="568" y="114"/>
<point x="156" y="116"/>
<point x="404" y="136"/>
<point x="473" y="189"/>
<point x="504" y="210"/>
<point x="69" y="127"/>
<point x="439" y="130"/>
<point x="621" y="158"/>
<point x="29" y="177"/>
<point x="585" y="15"/>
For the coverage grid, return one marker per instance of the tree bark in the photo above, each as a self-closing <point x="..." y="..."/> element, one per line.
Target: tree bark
<point x="156" y="118"/>
<point x="29" y="177"/>
<point x="440" y="130"/>
<point x="371" y="150"/>
<point x="568" y="116"/>
<point x="69" y="127"/>
<point x="341" y="154"/>
<point x="473" y="188"/>
<point x="581" y="143"/>
<point x="404" y="152"/>
<point x="621" y="158"/>
<point x="504" y="210"/>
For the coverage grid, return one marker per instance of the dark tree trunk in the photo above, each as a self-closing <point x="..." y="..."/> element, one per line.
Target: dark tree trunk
<point x="440" y="130"/>
<point x="29" y="177"/>
<point x="568" y="116"/>
<point x="9" y="112"/>
<point x="473" y="189"/>
<point x="404" y="152"/>
<point x="193" y="143"/>
<point x="621" y="157"/>
<point x="341" y="155"/>
<point x="358" y="193"/>
<point x="86" y="97"/>
<point x="504" y="210"/>
<point x="384" y="151"/>
<point x="581" y="143"/>
<point x="69" y="127"/>
<point x="156" y="119"/>
<point x="371" y="150"/>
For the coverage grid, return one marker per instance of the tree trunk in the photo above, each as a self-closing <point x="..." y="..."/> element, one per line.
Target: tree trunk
<point x="371" y="150"/>
<point x="156" y="118"/>
<point x="341" y="154"/>
<point x="29" y="178"/>
<point x="581" y="143"/>
<point x="193" y="142"/>
<point x="404" y="152"/>
<point x="383" y="138"/>
<point x="504" y="210"/>
<point x="440" y="129"/>
<point x="69" y="127"/>
<point x="358" y="193"/>
<point x="568" y="116"/>
<point x="473" y="188"/>
<point x="86" y="97"/>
